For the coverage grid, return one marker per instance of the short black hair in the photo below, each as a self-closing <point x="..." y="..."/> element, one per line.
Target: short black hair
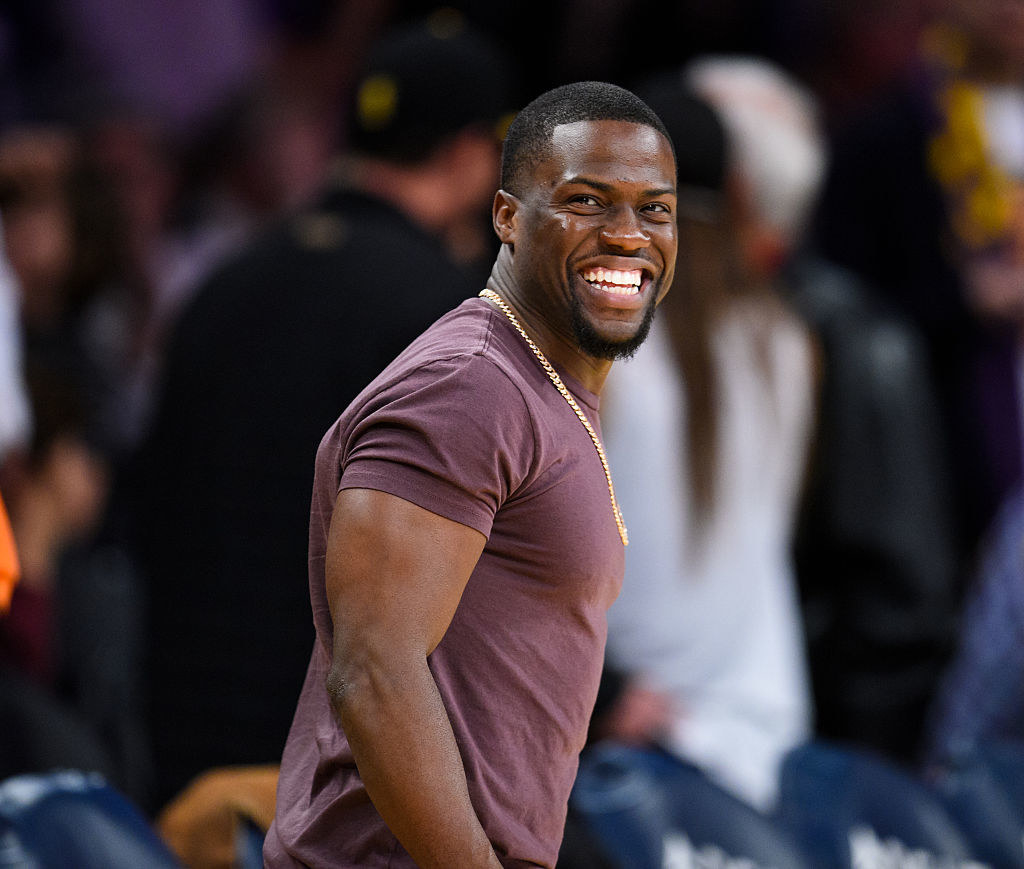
<point x="530" y="132"/>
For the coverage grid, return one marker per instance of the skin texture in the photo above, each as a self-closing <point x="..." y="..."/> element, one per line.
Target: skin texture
<point x="396" y="572"/>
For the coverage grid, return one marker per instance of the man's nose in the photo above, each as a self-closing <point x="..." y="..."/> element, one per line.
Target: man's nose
<point x="624" y="230"/>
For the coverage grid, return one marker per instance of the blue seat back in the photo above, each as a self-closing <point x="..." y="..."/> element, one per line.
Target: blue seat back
<point x="74" y="820"/>
<point x="1005" y="763"/>
<point x="983" y="790"/>
<point x="649" y="810"/>
<point x="847" y="808"/>
<point x="249" y="845"/>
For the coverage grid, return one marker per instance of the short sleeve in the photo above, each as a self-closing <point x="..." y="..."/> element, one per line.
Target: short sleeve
<point x="455" y="437"/>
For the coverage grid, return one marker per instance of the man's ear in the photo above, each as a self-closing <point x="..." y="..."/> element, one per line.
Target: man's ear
<point x="503" y="216"/>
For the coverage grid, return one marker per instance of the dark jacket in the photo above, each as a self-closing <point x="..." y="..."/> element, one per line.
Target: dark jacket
<point x="874" y="555"/>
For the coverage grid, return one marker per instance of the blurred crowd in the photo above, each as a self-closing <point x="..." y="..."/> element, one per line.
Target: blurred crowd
<point x="217" y="227"/>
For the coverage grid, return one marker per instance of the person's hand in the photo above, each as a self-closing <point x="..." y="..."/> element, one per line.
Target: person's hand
<point x="640" y="716"/>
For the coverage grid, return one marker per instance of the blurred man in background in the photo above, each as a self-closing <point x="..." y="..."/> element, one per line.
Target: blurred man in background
<point x="278" y="340"/>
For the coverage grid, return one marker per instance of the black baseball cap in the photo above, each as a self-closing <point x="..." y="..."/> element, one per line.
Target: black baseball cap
<point x="698" y="136"/>
<point x="427" y="80"/>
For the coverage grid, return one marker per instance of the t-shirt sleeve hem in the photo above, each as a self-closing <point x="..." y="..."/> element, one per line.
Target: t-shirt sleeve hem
<point x="418" y="487"/>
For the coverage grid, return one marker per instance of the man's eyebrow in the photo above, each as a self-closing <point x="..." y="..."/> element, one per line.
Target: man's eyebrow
<point x="661" y="191"/>
<point x="604" y="186"/>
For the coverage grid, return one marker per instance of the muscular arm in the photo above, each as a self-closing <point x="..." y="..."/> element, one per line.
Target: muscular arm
<point x="395" y="574"/>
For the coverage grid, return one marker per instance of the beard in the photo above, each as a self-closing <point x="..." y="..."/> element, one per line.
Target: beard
<point x="593" y="344"/>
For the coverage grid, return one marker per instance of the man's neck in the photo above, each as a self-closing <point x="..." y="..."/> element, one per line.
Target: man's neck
<point x="415" y="190"/>
<point x="557" y="344"/>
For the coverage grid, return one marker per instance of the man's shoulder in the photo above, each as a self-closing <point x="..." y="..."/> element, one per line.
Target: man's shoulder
<point x="333" y="227"/>
<point x="464" y="345"/>
<point x="455" y="377"/>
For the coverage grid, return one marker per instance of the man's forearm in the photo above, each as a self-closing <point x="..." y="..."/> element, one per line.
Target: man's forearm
<point x="407" y="757"/>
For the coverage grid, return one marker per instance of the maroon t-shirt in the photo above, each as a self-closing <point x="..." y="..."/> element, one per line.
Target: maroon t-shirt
<point x="465" y="423"/>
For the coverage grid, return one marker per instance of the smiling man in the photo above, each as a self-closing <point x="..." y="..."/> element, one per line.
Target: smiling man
<point x="465" y="540"/>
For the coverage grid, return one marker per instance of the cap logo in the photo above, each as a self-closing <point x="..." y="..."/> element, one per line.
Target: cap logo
<point x="377" y="102"/>
<point x="446" y="23"/>
<point x="502" y="124"/>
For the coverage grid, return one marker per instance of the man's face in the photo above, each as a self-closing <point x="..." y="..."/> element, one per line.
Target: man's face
<point x="596" y="237"/>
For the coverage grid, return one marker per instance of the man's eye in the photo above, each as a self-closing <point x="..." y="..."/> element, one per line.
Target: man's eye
<point x="585" y="199"/>
<point x="657" y="207"/>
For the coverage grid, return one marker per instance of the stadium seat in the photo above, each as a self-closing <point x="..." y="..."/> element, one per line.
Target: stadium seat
<point x="649" y="810"/>
<point x="983" y="790"/>
<point x="75" y="820"/>
<point x="848" y="808"/>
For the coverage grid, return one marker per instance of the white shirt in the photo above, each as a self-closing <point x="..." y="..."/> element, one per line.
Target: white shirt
<point x="716" y="627"/>
<point x="15" y="413"/>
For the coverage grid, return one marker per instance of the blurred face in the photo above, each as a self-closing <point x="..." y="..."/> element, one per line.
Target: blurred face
<point x="475" y="159"/>
<point x="595" y="233"/>
<point x="40" y="246"/>
<point x="478" y="154"/>
<point x="78" y="481"/>
<point x="38" y="231"/>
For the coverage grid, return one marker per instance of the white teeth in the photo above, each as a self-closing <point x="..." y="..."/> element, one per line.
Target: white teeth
<point x="621" y="282"/>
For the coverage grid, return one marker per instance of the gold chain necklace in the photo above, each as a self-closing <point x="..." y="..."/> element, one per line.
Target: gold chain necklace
<point x="564" y="392"/>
